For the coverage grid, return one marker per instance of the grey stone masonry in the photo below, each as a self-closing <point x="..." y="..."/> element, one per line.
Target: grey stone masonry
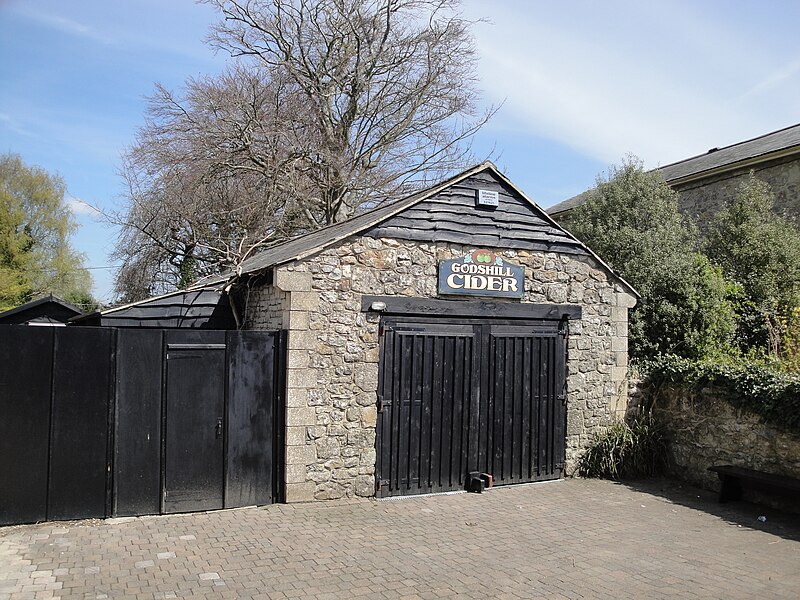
<point x="705" y="430"/>
<point x="703" y="198"/>
<point x="264" y="307"/>
<point x="333" y="350"/>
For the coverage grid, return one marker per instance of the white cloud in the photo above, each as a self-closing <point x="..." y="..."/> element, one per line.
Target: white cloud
<point x="60" y="23"/>
<point x="81" y="207"/>
<point x="620" y="77"/>
<point x="175" y="27"/>
<point x="13" y="125"/>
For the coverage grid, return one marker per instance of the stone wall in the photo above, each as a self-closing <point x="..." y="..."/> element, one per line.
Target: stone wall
<point x="265" y="307"/>
<point x="333" y="350"/>
<point x="702" y="199"/>
<point x="706" y="430"/>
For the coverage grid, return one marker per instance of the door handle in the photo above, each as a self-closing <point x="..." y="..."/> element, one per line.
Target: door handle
<point x="218" y="428"/>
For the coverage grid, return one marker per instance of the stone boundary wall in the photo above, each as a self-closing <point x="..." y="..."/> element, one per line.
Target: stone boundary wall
<point x="705" y="430"/>
<point x="702" y="199"/>
<point x="333" y="350"/>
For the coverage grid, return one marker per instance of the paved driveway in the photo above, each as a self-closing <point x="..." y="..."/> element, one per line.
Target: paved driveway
<point x="568" y="539"/>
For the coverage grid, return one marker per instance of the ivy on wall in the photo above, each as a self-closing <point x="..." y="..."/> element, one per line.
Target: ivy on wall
<point x="756" y="388"/>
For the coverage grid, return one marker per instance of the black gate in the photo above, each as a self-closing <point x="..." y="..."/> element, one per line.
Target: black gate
<point x="97" y="422"/>
<point x="457" y="397"/>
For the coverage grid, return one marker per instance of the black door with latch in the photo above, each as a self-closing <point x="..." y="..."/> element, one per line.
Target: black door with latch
<point x="194" y="418"/>
<point x="468" y="395"/>
<point x="522" y="423"/>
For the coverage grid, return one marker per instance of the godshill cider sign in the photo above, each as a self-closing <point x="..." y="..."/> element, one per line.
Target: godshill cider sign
<point x="481" y="273"/>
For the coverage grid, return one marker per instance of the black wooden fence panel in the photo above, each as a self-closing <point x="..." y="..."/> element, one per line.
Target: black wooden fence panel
<point x="25" y="386"/>
<point x="251" y="419"/>
<point x="79" y="429"/>
<point x="82" y="420"/>
<point x="137" y="444"/>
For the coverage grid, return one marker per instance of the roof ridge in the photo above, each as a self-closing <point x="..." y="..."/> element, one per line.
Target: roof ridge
<point x="758" y="137"/>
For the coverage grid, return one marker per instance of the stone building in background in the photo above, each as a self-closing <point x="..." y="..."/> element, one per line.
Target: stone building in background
<point x="705" y="182"/>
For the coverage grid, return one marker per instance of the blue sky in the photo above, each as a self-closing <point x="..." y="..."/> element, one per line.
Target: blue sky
<point x="583" y="84"/>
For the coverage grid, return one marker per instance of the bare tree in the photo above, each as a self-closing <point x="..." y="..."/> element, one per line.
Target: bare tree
<point x="331" y="105"/>
<point x="209" y="182"/>
<point x="389" y="88"/>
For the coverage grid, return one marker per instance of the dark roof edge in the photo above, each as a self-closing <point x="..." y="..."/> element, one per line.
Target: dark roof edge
<point x="398" y="207"/>
<point x="406" y="203"/>
<point x="195" y="288"/>
<point x="734" y="166"/>
<point x="555" y="224"/>
<point x="758" y="137"/>
<point x="37" y="302"/>
<point x="570" y="203"/>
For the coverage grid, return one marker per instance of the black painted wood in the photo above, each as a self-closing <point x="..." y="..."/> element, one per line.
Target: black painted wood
<point x="250" y="417"/>
<point x="194" y="423"/>
<point x="81" y="408"/>
<point x="82" y="389"/>
<point x="199" y="309"/>
<point x="26" y="362"/>
<point x="419" y="411"/>
<point x="463" y="395"/>
<point x="401" y="305"/>
<point x="733" y="479"/>
<point x="137" y="429"/>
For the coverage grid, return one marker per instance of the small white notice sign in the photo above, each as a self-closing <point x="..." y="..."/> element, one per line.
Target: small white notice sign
<point x="488" y="198"/>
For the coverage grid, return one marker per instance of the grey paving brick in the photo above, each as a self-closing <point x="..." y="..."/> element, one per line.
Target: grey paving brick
<point x="573" y="540"/>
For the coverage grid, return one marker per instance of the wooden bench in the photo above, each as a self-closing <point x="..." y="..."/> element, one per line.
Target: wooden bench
<point x="733" y="479"/>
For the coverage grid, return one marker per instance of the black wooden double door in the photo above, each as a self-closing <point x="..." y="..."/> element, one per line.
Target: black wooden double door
<point x="458" y="397"/>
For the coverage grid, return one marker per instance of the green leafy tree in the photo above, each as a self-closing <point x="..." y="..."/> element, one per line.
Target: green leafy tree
<point x="760" y="250"/>
<point x="35" y="224"/>
<point x="631" y="220"/>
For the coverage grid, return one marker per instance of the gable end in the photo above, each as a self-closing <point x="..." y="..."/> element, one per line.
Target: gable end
<point x="451" y="215"/>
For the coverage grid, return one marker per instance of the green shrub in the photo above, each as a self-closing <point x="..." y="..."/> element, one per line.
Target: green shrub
<point x="626" y="451"/>
<point x="760" y="251"/>
<point x="631" y="220"/>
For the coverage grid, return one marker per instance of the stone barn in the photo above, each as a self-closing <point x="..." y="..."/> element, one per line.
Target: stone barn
<point x="454" y="337"/>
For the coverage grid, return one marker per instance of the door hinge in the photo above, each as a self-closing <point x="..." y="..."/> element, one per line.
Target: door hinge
<point x="379" y="484"/>
<point x="563" y="398"/>
<point x="381" y="404"/>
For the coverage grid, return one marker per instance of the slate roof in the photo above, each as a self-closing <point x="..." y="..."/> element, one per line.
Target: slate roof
<point x="47" y="309"/>
<point x="732" y="156"/>
<point x="541" y="231"/>
<point x="201" y="308"/>
<point x="735" y="156"/>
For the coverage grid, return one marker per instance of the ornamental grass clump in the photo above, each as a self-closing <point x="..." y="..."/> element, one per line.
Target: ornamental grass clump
<point x="626" y="450"/>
